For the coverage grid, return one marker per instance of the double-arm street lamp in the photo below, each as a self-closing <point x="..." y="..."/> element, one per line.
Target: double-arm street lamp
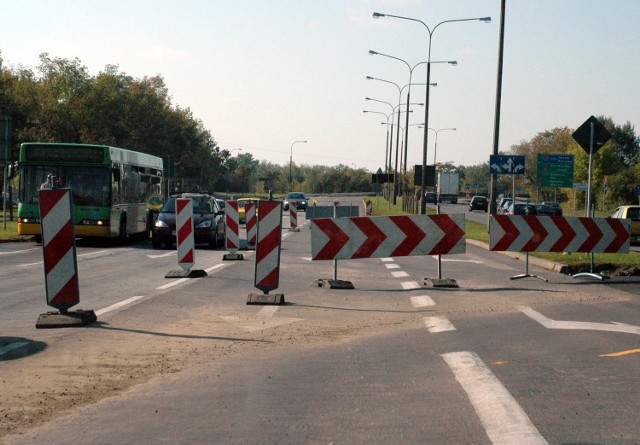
<point x="291" y="159"/>
<point x="411" y="68"/>
<point x="376" y="15"/>
<point x="435" y="147"/>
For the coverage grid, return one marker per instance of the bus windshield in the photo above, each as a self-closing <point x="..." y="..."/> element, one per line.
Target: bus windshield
<point x="89" y="185"/>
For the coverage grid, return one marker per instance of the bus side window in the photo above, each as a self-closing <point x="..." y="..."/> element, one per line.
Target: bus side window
<point x="116" y="184"/>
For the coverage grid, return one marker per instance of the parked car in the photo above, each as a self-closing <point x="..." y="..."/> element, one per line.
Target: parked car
<point x="221" y="203"/>
<point x="208" y="221"/>
<point x="633" y="213"/>
<point x="543" y="209"/>
<point x="241" y="210"/>
<point x="478" y="203"/>
<point x="554" y="206"/>
<point x="522" y="208"/>
<point x="504" y="204"/>
<point x="431" y="197"/>
<point x="298" y="198"/>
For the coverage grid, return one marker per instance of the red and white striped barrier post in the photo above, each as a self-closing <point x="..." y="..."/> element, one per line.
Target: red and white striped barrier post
<point x="293" y="218"/>
<point x="185" y="243"/>
<point x="60" y="263"/>
<point x="232" y="231"/>
<point x="251" y="226"/>
<point x="267" y="267"/>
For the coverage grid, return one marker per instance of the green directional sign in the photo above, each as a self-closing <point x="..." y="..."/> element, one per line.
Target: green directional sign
<point x="555" y="170"/>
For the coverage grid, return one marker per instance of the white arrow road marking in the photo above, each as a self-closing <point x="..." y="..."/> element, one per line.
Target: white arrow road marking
<point x="12" y="346"/>
<point x="438" y="324"/>
<point x="503" y="419"/>
<point x="581" y="325"/>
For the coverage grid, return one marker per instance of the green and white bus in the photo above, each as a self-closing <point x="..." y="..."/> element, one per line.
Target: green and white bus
<point x="115" y="191"/>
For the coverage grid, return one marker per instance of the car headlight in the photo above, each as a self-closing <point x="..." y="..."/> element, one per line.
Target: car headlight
<point x="304" y="203"/>
<point x="204" y="224"/>
<point x="160" y="223"/>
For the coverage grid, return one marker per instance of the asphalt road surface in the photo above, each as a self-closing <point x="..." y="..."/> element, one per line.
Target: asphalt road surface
<point x="393" y="360"/>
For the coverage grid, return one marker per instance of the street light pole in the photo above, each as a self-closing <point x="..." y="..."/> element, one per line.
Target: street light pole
<point x="435" y="147"/>
<point x="291" y="159"/>
<point x="423" y="206"/>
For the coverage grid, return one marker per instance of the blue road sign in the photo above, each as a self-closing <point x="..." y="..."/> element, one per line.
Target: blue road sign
<point x="506" y="165"/>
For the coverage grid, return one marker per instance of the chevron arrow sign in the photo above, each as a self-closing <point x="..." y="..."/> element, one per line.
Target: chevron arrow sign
<point x="387" y="236"/>
<point x="530" y="233"/>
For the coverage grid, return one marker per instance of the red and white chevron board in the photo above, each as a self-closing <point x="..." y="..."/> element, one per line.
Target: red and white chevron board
<point x="184" y="233"/>
<point x="387" y="236"/>
<point x="267" y="270"/>
<point x="232" y="220"/>
<point x="293" y="216"/>
<point x="59" y="249"/>
<point x="250" y="216"/>
<point x="531" y="233"/>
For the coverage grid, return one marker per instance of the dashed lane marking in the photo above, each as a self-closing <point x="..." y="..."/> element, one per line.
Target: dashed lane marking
<point x="386" y="260"/>
<point x="503" y="419"/>
<point x="399" y="274"/>
<point x="422" y="301"/>
<point x="392" y="266"/>
<point x="113" y="307"/>
<point x="438" y="324"/>
<point x="409" y="285"/>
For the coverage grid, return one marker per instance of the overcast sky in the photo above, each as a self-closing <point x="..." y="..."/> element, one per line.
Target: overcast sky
<point x="262" y="74"/>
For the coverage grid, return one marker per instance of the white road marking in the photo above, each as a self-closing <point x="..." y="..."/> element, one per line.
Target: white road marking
<point x="400" y="274"/>
<point x="386" y="260"/>
<point x="173" y="283"/>
<point x="438" y="324"/>
<point x="78" y="256"/>
<point x="268" y="311"/>
<point x="580" y="325"/>
<point x="422" y="301"/>
<point x="12" y="346"/>
<point x="392" y="266"/>
<point x="162" y="255"/>
<point x="18" y="251"/>
<point x="217" y="266"/>
<point x="113" y="307"/>
<point x="307" y="258"/>
<point x="408" y="285"/>
<point x="453" y="260"/>
<point x="503" y="419"/>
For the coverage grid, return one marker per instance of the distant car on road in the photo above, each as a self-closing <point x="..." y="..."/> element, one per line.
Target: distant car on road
<point x="554" y="206"/>
<point x="298" y="198"/>
<point x="479" y="203"/>
<point x="633" y="213"/>
<point x="543" y="209"/>
<point x="504" y="204"/>
<point x="208" y="221"/>
<point x="521" y="208"/>
<point x="431" y="197"/>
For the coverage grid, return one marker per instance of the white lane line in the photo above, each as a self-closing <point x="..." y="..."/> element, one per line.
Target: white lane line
<point x="399" y="274"/>
<point x="408" y="285"/>
<point x="217" y="266"/>
<point x="422" y="301"/>
<point x="113" y="307"/>
<point x="162" y="255"/>
<point x="12" y="346"/>
<point x="386" y="260"/>
<point x="18" y="251"/>
<point x="503" y="419"/>
<point x="268" y="311"/>
<point x="438" y="324"/>
<point x="173" y="283"/>
<point x="392" y="266"/>
<point x="78" y="256"/>
<point x="453" y="260"/>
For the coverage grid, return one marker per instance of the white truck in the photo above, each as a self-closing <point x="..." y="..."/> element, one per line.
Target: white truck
<point x="448" y="187"/>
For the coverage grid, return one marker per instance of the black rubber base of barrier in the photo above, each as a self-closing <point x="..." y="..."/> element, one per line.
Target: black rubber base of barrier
<point x="334" y="284"/>
<point x="232" y="257"/>
<point x="265" y="299"/>
<point x="249" y="247"/>
<point x="193" y="273"/>
<point x="440" y="282"/>
<point x="52" y="320"/>
<point x="292" y="229"/>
